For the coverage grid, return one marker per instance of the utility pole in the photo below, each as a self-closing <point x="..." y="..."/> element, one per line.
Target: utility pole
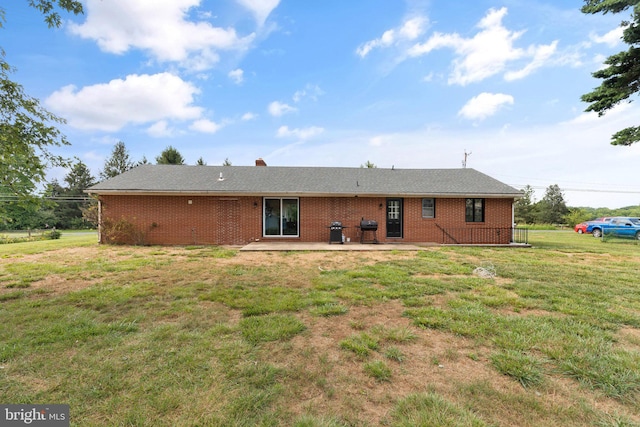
<point x="466" y="155"/>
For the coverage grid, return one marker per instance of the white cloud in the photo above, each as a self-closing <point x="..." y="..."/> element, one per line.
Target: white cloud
<point x="485" y="105"/>
<point x="599" y="59"/>
<point x="611" y="39"/>
<point x="377" y="141"/>
<point x="205" y="126"/>
<point x="278" y="109"/>
<point x="105" y="140"/>
<point x="236" y="75"/>
<point x="137" y="99"/>
<point x="249" y="116"/>
<point x="540" y="55"/>
<point x="410" y="30"/>
<point x="428" y="77"/>
<point x="261" y="9"/>
<point x="93" y="156"/>
<point x="162" y="30"/>
<point x="487" y="53"/>
<point x="161" y="129"/>
<point x="303" y="134"/>
<point x="312" y="92"/>
<point x="593" y="117"/>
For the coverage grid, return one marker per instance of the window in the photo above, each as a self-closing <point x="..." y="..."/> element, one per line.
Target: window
<point x="393" y="209"/>
<point x="474" y="210"/>
<point x="280" y="217"/>
<point x="428" y="208"/>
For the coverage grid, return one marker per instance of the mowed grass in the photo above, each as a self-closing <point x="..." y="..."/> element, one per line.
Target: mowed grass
<point x="211" y="336"/>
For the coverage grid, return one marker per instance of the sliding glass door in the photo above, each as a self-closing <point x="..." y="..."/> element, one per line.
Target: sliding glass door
<point x="280" y="217"/>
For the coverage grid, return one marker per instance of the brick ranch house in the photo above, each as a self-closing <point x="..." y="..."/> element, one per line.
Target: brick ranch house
<point x="235" y="205"/>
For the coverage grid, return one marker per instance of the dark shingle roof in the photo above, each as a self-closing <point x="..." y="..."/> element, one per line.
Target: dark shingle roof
<point x="303" y="181"/>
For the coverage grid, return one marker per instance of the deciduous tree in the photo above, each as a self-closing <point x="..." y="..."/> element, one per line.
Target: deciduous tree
<point x="576" y="216"/>
<point x="49" y="8"/>
<point x="28" y="132"/>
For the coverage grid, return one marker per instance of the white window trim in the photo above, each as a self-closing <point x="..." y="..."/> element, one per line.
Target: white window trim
<point x="422" y="207"/>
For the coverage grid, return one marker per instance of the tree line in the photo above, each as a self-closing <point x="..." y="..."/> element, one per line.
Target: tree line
<point x="64" y="205"/>
<point x="552" y="209"/>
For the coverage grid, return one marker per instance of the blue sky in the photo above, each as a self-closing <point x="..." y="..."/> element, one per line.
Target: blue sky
<point x="404" y="84"/>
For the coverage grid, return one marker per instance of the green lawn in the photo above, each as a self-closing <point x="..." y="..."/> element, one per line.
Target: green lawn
<point x="181" y="336"/>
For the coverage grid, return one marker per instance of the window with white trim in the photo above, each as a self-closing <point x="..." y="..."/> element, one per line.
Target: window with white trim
<point x="429" y="208"/>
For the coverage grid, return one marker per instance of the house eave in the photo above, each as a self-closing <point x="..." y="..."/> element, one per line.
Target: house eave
<point x="206" y="193"/>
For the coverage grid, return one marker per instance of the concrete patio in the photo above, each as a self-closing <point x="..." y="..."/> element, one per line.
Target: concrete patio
<point x="321" y="246"/>
<point x="354" y="246"/>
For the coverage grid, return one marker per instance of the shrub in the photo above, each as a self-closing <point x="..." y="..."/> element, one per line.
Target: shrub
<point x="53" y="234"/>
<point x="122" y="232"/>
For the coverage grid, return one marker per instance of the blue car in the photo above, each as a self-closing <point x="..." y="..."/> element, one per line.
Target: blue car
<point x="619" y="227"/>
<point x="595" y="223"/>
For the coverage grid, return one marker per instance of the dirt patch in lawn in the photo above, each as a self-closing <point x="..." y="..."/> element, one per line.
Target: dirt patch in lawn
<point x="328" y="379"/>
<point x="335" y="380"/>
<point x="630" y="338"/>
<point x="55" y="284"/>
<point x="200" y="259"/>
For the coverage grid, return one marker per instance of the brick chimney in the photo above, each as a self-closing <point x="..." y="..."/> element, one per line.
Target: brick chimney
<point x="260" y="162"/>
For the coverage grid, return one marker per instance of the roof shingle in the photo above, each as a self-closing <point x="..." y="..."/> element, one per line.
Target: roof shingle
<point x="303" y="181"/>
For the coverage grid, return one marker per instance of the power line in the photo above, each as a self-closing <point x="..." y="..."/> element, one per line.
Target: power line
<point x="584" y="190"/>
<point x="12" y="198"/>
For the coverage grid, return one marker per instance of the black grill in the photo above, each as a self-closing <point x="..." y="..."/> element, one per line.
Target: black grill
<point x="335" y="233"/>
<point x="368" y="225"/>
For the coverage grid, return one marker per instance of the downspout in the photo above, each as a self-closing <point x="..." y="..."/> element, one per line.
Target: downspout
<point x="99" y="220"/>
<point x="513" y="220"/>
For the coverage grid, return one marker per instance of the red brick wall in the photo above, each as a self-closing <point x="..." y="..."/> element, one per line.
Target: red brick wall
<point x="172" y="220"/>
